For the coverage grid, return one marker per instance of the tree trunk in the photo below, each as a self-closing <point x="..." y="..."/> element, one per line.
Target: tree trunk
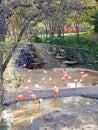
<point x="59" y="32"/>
<point x="1" y="79"/>
<point x="77" y="26"/>
<point x="77" y="32"/>
<point x="3" y="31"/>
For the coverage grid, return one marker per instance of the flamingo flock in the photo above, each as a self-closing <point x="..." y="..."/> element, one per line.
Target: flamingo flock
<point x="65" y="78"/>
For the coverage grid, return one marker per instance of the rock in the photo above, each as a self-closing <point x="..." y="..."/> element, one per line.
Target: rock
<point x="48" y="117"/>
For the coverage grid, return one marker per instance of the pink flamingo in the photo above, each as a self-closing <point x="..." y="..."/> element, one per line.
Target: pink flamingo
<point x="55" y="70"/>
<point x="69" y="78"/>
<point x="43" y="78"/>
<point x="84" y="75"/>
<point x="44" y="71"/>
<point x="50" y="79"/>
<point x="55" y="91"/>
<point x="26" y="88"/>
<point x="33" y="96"/>
<point x="24" y="65"/>
<point x="76" y="81"/>
<point x="63" y="78"/>
<point x="81" y="81"/>
<point x="21" y="97"/>
<point x="29" y="80"/>
<point x="64" y="73"/>
<point x="29" y="70"/>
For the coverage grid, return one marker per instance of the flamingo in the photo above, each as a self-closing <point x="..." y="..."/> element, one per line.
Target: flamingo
<point x="76" y="81"/>
<point x="81" y="81"/>
<point x="63" y="78"/>
<point x="24" y="65"/>
<point x="29" y="80"/>
<point x="86" y="74"/>
<point x="21" y="97"/>
<point x="44" y="71"/>
<point x="29" y="70"/>
<point x="82" y="72"/>
<point x="43" y="78"/>
<point x="55" y="70"/>
<point x="50" y="79"/>
<point x="55" y="91"/>
<point x="69" y="78"/>
<point x="64" y="73"/>
<point x="33" y="96"/>
<point x="26" y="88"/>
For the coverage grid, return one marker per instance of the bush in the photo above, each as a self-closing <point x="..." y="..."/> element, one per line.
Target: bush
<point x="38" y="39"/>
<point x="51" y="49"/>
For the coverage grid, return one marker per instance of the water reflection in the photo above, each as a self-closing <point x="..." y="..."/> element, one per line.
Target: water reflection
<point x="24" y="113"/>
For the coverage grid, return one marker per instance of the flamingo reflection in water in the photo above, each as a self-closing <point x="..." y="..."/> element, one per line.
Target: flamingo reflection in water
<point x="33" y="96"/>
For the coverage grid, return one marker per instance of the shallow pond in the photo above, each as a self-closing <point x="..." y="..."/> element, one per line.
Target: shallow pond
<point x="45" y="79"/>
<point x="20" y="116"/>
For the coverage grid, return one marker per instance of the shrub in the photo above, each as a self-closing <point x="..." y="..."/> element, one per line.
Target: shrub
<point x="51" y="49"/>
<point x="38" y="39"/>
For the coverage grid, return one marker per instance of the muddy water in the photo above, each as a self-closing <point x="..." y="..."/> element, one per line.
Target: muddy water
<point x="46" y="79"/>
<point x="23" y="114"/>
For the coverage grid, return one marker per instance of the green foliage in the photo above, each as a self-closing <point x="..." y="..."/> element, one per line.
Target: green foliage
<point x="8" y="42"/>
<point x="72" y="58"/>
<point x="38" y="39"/>
<point x="94" y="21"/>
<point x="85" y="43"/>
<point x="18" y="83"/>
<point x="51" y="49"/>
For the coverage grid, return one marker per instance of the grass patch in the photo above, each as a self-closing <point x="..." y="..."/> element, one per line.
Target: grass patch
<point x="85" y="43"/>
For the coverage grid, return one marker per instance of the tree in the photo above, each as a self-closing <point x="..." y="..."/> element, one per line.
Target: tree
<point x="27" y="11"/>
<point x="94" y="22"/>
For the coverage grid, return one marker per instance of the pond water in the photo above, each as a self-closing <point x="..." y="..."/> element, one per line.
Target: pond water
<point x="20" y="116"/>
<point x="46" y="79"/>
